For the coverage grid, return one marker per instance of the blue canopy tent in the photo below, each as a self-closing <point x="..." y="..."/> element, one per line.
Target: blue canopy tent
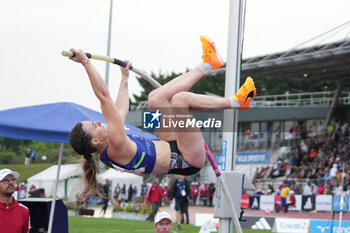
<point x="52" y="123"/>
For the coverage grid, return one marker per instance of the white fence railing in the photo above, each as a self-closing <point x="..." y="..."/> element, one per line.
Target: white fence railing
<point x="299" y="99"/>
<point x="288" y="100"/>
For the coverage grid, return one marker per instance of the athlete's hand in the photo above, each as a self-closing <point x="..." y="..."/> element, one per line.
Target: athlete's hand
<point x="80" y="56"/>
<point x="125" y="71"/>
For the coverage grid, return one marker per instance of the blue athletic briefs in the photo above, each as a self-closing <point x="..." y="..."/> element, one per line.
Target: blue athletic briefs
<point x="143" y="161"/>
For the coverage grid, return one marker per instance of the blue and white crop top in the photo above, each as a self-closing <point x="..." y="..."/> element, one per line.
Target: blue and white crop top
<point x="143" y="161"/>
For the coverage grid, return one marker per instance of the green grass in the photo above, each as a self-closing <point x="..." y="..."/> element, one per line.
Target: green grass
<point x="254" y="231"/>
<point x="26" y="171"/>
<point x="109" y="225"/>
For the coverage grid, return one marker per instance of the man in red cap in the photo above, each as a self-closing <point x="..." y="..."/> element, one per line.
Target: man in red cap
<point x="14" y="217"/>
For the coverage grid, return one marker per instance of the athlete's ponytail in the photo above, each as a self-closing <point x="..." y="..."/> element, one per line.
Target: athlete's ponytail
<point x="80" y="141"/>
<point x="90" y="169"/>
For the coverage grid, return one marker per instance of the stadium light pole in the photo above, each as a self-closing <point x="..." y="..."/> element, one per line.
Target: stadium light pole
<point x="109" y="40"/>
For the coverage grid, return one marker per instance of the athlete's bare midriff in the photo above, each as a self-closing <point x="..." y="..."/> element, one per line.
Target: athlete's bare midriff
<point x="163" y="157"/>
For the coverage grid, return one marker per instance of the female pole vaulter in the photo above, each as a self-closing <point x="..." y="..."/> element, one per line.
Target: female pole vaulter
<point x="178" y="151"/>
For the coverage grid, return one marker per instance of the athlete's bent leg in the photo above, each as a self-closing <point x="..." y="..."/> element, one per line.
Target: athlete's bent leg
<point x="189" y="140"/>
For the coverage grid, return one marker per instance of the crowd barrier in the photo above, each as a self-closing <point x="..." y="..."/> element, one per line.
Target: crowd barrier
<point x="297" y="225"/>
<point x="283" y="225"/>
<point x="320" y="203"/>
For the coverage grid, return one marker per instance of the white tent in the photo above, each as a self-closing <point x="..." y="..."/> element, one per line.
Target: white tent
<point x="69" y="184"/>
<point x="121" y="178"/>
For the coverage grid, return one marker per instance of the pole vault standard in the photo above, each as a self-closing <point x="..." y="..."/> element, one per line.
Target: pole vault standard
<point x="233" y="73"/>
<point x="209" y="155"/>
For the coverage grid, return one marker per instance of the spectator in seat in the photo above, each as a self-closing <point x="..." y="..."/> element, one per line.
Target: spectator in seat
<point x="320" y="189"/>
<point x="333" y="174"/>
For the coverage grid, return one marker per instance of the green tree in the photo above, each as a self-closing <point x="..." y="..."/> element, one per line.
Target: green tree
<point x="270" y="86"/>
<point x="14" y="150"/>
<point x="147" y="88"/>
<point x="6" y="157"/>
<point x="265" y="86"/>
<point x="15" y="145"/>
<point x="212" y="83"/>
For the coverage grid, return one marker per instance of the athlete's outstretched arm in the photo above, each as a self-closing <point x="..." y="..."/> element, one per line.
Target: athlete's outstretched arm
<point x="98" y="85"/>
<point x="122" y="101"/>
<point x="116" y="131"/>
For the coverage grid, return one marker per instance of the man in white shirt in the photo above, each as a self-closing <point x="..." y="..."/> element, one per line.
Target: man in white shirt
<point x="338" y="190"/>
<point x="333" y="174"/>
<point x="307" y="191"/>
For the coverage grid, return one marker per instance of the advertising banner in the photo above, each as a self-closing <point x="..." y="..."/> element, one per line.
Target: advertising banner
<point x="288" y="225"/>
<point x="337" y="204"/>
<point x="245" y="201"/>
<point x="253" y="157"/>
<point x="308" y="203"/>
<point x="325" y="226"/>
<point x="324" y="203"/>
<point x="254" y="202"/>
<point x="222" y="162"/>
<point x="297" y="203"/>
<point x="205" y="219"/>
<point x="257" y="223"/>
<point x="267" y="203"/>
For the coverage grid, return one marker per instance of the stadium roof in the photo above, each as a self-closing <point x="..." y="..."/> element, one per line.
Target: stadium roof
<point x="327" y="62"/>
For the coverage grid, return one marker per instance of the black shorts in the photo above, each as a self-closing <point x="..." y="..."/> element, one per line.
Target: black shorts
<point x="181" y="203"/>
<point x="178" y="164"/>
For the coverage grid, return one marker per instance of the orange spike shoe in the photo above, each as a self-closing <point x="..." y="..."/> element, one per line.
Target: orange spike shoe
<point x="210" y="55"/>
<point x="246" y="93"/>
